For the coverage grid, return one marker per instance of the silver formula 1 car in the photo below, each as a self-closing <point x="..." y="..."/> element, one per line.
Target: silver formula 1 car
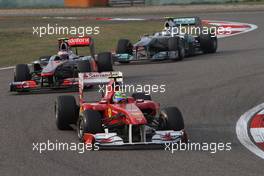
<point x="60" y="70"/>
<point x="171" y="43"/>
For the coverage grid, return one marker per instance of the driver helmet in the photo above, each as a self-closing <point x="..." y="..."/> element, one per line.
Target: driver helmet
<point x="119" y="97"/>
<point x="64" y="55"/>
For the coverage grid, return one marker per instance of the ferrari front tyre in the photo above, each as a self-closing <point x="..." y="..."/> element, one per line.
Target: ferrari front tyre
<point x="171" y="119"/>
<point x="84" y="66"/>
<point x="66" y="112"/>
<point x="89" y="122"/>
<point x="124" y="46"/>
<point x="104" y="62"/>
<point x="22" y="73"/>
<point x="208" y="43"/>
<point x="141" y="95"/>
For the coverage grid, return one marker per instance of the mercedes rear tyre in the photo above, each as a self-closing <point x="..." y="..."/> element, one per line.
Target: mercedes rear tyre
<point x="208" y="43"/>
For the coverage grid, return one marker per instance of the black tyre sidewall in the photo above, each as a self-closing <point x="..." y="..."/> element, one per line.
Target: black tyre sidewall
<point x="173" y="119"/>
<point x="65" y="111"/>
<point x="208" y="43"/>
<point x="124" y="46"/>
<point x="22" y="73"/>
<point x="92" y="123"/>
<point x="104" y="62"/>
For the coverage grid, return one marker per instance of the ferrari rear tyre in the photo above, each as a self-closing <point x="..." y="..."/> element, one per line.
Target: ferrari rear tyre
<point x="171" y="119"/>
<point x="66" y="112"/>
<point x="89" y="122"/>
<point x="104" y="62"/>
<point x="124" y="46"/>
<point x="141" y="95"/>
<point x="22" y="73"/>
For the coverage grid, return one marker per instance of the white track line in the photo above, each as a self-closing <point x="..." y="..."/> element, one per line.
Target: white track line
<point x="242" y="131"/>
<point x="7" y="68"/>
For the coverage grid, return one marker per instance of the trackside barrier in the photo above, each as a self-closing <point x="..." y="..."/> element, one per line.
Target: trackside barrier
<point x="85" y="3"/>
<point x="126" y="2"/>
<point x="171" y="2"/>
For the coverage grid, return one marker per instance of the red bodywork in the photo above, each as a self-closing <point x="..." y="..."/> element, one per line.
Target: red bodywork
<point x="128" y="114"/>
<point x="49" y="70"/>
<point x="131" y="110"/>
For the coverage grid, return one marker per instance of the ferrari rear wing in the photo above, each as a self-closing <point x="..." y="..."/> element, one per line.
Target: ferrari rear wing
<point x="98" y="78"/>
<point x="93" y="78"/>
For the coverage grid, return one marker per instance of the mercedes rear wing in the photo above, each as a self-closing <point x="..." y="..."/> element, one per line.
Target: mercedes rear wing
<point x="182" y="21"/>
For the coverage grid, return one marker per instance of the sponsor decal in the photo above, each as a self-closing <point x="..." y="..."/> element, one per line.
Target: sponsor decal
<point x="79" y="41"/>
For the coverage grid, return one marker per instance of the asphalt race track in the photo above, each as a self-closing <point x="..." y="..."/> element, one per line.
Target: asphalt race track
<point x="211" y="90"/>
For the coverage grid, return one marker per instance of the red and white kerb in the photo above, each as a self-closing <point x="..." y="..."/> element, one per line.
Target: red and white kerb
<point x="256" y="129"/>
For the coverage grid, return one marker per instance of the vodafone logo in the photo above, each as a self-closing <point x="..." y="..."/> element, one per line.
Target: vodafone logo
<point x="85" y="41"/>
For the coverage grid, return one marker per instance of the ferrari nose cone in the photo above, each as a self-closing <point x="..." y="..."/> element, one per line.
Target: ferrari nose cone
<point x="134" y="114"/>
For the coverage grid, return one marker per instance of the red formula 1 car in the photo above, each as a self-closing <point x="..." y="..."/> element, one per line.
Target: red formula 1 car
<point x="135" y="121"/>
<point x="61" y="70"/>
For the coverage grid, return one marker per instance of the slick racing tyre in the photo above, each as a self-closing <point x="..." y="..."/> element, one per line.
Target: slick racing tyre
<point x="176" y="44"/>
<point x="89" y="122"/>
<point x="66" y="112"/>
<point x="104" y="62"/>
<point x="171" y="119"/>
<point x="141" y="95"/>
<point x="84" y="66"/>
<point x="208" y="43"/>
<point x="22" y="73"/>
<point x="124" y="46"/>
